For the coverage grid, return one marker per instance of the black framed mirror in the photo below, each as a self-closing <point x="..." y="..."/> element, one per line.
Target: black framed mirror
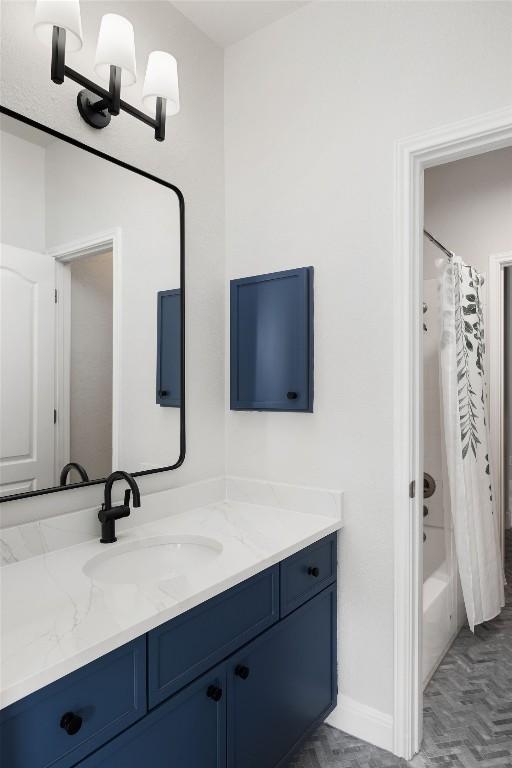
<point x="92" y="315"/>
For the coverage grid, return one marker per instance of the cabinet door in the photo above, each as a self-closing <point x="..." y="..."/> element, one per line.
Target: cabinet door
<point x="168" y="364"/>
<point x="187" y="731"/>
<point x="272" y="341"/>
<point x="186" y="646"/>
<point x="70" y="718"/>
<point x="282" y="684"/>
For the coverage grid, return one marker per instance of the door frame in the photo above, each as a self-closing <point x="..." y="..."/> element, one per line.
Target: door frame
<point x="496" y="343"/>
<point x="63" y="254"/>
<point x="413" y="155"/>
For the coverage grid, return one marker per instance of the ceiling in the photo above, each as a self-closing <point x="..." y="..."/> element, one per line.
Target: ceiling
<point x="227" y="21"/>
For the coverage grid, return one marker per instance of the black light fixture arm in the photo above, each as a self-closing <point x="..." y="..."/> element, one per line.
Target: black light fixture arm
<point x="97" y="112"/>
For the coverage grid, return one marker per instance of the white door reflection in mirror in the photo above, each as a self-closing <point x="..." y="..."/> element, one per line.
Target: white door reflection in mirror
<point x="27" y="330"/>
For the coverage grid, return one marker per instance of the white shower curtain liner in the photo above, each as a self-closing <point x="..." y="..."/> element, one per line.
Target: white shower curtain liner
<point x="465" y="406"/>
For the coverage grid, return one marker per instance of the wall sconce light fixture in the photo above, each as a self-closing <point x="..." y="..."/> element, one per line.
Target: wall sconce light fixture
<point x="58" y="23"/>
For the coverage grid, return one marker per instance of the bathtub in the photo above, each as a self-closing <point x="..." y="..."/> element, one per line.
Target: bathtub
<point x="435" y="547"/>
<point x="440" y="620"/>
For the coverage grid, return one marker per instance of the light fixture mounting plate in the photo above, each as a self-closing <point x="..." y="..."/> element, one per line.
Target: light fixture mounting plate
<point x="94" y="117"/>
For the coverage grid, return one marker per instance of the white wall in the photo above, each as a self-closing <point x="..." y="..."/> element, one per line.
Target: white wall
<point x="468" y="207"/>
<point x="91" y="364"/>
<point x="22" y="193"/>
<point x="191" y="157"/>
<point x="313" y="106"/>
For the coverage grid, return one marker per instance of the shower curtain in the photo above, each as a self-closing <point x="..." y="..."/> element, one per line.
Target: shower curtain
<point x="464" y="405"/>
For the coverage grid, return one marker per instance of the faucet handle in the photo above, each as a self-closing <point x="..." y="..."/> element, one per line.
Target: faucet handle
<point x="127" y="495"/>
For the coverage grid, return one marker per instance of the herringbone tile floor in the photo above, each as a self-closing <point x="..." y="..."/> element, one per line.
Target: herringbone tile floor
<point x="467" y="708"/>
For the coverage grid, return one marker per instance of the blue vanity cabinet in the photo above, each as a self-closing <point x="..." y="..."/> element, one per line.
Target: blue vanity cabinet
<point x="187" y="731"/>
<point x="272" y="341"/>
<point x="168" y="356"/>
<point x="104" y="698"/>
<point x="282" y="684"/>
<point x="236" y="682"/>
<point x="186" y="646"/>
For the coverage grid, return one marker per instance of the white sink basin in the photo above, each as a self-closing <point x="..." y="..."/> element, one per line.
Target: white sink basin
<point x="154" y="559"/>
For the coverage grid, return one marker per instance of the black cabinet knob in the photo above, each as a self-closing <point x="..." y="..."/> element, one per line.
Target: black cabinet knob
<point x="163" y="392"/>
<point x="71" y="723"/>
<point x="313" y="571"/>
<point x="242" y="671"/>
<point x="214" y="692"/>
<point x="292" y="395"/>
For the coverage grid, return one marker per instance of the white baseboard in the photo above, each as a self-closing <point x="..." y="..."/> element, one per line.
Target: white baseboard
<point x="363" y="722"/>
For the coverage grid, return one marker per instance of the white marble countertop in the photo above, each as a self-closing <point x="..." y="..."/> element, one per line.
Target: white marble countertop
<point x="55" y="619"/>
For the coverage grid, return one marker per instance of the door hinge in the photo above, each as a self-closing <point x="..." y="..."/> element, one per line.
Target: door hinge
<point x="54" y="415"/>
<point x="412" y="489"/>
<point x="56" y="296"/>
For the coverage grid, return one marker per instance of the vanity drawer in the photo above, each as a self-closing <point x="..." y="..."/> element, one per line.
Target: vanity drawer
<point x="108" y="695"/>
<point x="187" y="646"/>
<point x="307" y="572"/>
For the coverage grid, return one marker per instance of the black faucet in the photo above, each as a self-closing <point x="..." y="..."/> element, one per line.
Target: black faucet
<point x="109" y="514"/>
<point x="67" y="469"/>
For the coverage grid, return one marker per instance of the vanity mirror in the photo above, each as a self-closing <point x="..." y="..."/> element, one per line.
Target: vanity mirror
<point x="91" y="315"/>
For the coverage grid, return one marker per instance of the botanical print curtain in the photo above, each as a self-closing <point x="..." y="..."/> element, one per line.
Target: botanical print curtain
<point x="464" y="405"/>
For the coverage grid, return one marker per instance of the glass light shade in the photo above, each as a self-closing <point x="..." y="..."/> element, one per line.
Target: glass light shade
<point x="59" y="13"/>
<point x="161" y="80"/>
<point x="116" y="46"/>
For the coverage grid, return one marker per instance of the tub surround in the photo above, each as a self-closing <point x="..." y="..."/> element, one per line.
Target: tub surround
<point x="55" y="619"/>
<point x="443" y="606"/>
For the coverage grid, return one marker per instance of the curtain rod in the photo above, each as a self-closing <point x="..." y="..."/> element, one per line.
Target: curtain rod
<point x="438" y="244"/>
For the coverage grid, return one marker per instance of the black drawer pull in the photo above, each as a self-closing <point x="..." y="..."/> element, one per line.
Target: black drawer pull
<point x="214" y="692"/>
<point x="242" y="671"/>
<point x="291" y="395"/>
<point x="313" y="571"/>
<point x="163" y="392"/>
<point x="71" y="723"/>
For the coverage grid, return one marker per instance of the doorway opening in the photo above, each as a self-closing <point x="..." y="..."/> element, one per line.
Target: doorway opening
<point x="413" y="157"/>
<point x="87" y="354"/>
<point x="467" y="206"/>
<point x="89" y="280"/>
